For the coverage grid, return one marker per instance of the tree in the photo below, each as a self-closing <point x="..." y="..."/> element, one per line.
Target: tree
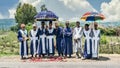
<point x="25" y="13"/>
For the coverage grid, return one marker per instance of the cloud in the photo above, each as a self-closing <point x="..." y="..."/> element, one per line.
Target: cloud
<point x="80" y="5"/>
<point x="65" y="9"/>
<point x="12" y="12"/>
<point x="111" y="10"/>
<point x="1" y="16"/>
<point x="76" y="8"/>
<point x="35" y="3"/>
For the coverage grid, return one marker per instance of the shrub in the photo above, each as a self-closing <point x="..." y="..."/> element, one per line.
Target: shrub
<point x="103" y="40"/>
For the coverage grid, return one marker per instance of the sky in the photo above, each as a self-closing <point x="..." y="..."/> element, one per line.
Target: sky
<point x="70" y="10"/>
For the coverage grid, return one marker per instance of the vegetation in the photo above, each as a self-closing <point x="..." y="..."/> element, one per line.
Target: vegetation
<point x="9" y="44"/>
<point x="25" y="13"/>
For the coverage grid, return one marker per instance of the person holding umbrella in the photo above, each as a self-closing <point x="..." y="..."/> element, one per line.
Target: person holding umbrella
<point x="95" y="41"/>
<point x="88" y="42"/>
<point x="42" y="49"/>
<point x="77" y="35"/>
<point x="50" y="32"/>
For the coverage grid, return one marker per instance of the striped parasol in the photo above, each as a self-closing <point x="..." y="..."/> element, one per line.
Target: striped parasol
<point x="92" y="16"/>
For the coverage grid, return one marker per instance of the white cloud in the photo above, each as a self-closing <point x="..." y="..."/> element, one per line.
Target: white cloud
<point x="80" y="5"/>
<point x="64" y="9"/>
<point x="111" y="10"/>
<point x="35" y="3"/>
<point x="76" y="8"/>
<point x="1" y="16"/>
<point x="12" y="10"/>
<point x="12" y="13"/>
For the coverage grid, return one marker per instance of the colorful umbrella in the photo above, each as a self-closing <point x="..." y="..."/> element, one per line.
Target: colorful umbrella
<point x="92" y="16"/>
<point x="46" y="16"/>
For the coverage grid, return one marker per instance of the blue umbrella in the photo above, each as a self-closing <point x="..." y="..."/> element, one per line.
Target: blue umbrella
<point x="46" y="16"/>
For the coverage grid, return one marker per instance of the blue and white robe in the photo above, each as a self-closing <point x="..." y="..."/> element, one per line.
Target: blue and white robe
<point x="88" y="44"/>
<point x="23" y="44"/>
<point x="59" y="40"/>
<point x="34" y="37"/>
<point x="50" y="41"/>
<point x="95" y="43"/>
<point x="68" y="50"/>
<point x="42" y="48"/>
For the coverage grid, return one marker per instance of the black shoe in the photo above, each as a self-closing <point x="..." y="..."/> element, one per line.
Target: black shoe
<point x="22" y="58"/>
<point x="69" y="56"/>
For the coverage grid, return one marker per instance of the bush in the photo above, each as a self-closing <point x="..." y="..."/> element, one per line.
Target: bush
<point x="103" y="40"/>
<point x="14" y="28"/>
<point x="28" y="27"/>
<point x="108" y="31"/>
<point x="9" y="44"/>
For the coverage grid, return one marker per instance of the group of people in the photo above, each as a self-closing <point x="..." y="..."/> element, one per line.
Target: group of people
<point x="46" y="40"/>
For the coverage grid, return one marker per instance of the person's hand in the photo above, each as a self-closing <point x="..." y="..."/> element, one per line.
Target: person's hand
<point x="27" y="38"/>
<point x="23" y="38"/>
<point x="75" y="40"/>
<point x="46" y="27"/>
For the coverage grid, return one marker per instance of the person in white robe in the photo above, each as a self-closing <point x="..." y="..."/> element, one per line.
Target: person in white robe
<point x="95" y="41"/>
<point x="88" y="42"/>
<point x="34" y="37"/>
<point x="77" y="35"/>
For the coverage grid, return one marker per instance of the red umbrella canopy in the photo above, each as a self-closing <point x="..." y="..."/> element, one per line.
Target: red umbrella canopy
<point x="92" y="16"/>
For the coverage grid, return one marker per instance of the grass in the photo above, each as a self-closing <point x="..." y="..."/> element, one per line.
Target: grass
<point x="9" y="44"/>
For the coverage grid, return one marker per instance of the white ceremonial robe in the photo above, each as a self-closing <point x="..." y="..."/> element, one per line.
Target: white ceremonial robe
<point x="50" y="41"/>
<point x="77" y="34"/>
<point x="23" y="44"/>
<point x="95" y="43"/>
<point x="34" y="42"/>
<point x="87" y="44"/>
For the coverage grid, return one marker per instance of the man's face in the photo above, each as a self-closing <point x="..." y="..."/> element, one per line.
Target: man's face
<point x="23" y="28"/>
<point x="86" y="27"/>
<point x="95" y="26"/>
<point x="67" y="24"/>
<point x="34" y="27"/>
<point x="50" y="25"/>
<point x="56" y="24"/>
<point x="77" y="24"/>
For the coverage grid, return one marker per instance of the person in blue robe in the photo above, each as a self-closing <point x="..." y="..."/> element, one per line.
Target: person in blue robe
<point x="34" y="37"/>
<point x="68" y="50"/>
<point x="59" y="39"/>
<point x="42" y="48"/>
<point x="50" y="33"/>
<point x="23" y="38"/>
<point x="88" y="42"/>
